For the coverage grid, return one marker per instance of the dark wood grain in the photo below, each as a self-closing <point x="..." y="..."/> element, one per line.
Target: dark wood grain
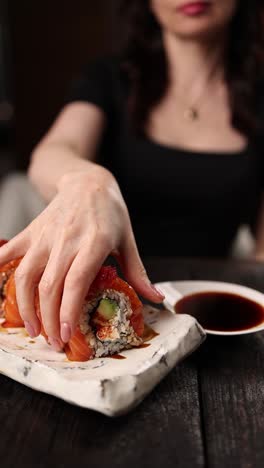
<point x="208" y="412"/>
<point x="231" y="372"/>
<point x="43" y="430"/>
<point x="232" y="391"/>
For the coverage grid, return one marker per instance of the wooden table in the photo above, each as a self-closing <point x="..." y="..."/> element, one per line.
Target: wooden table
<point x="208" y="412"/>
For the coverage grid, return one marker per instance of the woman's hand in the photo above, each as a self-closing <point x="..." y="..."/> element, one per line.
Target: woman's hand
<point x="64" y="247"/>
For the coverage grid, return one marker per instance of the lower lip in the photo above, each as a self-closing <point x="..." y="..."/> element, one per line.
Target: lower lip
<point x="194" y="9"/>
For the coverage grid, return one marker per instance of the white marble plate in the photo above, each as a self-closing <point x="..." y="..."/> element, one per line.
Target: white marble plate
<point x="107" y="385"/>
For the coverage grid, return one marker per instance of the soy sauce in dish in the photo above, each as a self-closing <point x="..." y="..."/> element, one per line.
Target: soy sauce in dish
<point x="221" y="311"/>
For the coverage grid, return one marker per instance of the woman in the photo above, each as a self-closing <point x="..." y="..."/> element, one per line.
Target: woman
<point x="174" y="125"/>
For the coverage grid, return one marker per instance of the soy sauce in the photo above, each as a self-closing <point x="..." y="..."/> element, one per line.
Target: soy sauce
<point x="222" y="311"/>
<point x="143" y="345"/>
<point x="148" y="333"/>
<point x="117" y="356"/>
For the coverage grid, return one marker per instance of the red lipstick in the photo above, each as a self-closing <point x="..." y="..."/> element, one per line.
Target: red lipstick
<point x="194" y="8"/>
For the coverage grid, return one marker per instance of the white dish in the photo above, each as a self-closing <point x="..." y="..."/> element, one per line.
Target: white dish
<point x="175" y="290"/>
<point x="107" y="385"/>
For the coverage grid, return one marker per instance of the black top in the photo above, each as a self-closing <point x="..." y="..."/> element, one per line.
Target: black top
<point x="181" y="203"/>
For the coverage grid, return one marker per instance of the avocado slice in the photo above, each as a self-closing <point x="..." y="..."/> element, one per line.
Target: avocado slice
<point x="107" y="308"/>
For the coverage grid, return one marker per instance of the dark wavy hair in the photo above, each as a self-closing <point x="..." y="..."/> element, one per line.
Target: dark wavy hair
<point x="144" y="53"/>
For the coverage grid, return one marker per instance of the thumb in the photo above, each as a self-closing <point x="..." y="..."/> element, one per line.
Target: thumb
<point x="134" y="271"/>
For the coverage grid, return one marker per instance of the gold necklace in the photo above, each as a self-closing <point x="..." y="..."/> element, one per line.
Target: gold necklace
<point x="192" y="112"/>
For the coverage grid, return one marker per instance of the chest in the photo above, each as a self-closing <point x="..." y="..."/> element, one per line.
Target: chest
<point x="170" y="124"/>
<point x="154" y="177"/>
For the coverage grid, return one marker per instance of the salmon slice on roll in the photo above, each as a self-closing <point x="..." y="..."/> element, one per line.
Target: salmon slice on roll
<point x="111" y="318"/>
<point x="6" y="272"/>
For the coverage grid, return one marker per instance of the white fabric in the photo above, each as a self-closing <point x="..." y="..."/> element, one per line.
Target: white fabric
<point x="19" y="204"/>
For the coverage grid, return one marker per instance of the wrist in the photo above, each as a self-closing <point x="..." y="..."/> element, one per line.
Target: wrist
<point x="87" y="174"/>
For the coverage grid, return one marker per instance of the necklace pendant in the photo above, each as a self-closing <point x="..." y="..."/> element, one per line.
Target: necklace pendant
<point x="191" y="114"/>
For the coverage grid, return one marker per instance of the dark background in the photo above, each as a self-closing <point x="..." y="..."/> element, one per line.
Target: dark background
<point x="43" y="46"/>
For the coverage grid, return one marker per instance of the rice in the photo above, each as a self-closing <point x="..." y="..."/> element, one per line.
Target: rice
<point x="120" y="333"/>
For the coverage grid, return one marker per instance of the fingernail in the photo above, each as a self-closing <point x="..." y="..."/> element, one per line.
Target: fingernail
<point x="55" y="344"/>
<point x="65" y="332"/>
<point x="157" y="291"/>
<point x="30" y="329"/>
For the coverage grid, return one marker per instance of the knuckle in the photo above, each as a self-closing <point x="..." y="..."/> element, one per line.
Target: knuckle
<point x="75" y="281"/>
<point x="95" y="186"/>
<point x="46" y="286"/>
<point x="21" y="274"/>
<point x="67" y="232"/>
<point x="142" y="271"/>
<point x="104" y="238"/>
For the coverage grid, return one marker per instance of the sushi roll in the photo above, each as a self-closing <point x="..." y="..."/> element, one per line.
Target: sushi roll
<point x="6" y="272"/>
<point x="111" y="319"/>
<point x="9" y="305"/>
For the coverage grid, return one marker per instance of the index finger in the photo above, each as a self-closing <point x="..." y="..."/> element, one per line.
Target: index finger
<point x="14" y="248"/>
<point x="78" y="280"/>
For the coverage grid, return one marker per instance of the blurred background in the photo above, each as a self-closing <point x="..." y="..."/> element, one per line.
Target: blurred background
<point x="43" y="46"/>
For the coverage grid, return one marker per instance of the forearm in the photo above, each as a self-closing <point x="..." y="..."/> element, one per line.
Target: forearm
<point x="50" y="162"/>
<point x="69" y="146"/>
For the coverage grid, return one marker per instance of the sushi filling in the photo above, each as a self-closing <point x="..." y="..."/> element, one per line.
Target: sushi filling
<point x="4" y="276"/>
<point x="105" y="322"/>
